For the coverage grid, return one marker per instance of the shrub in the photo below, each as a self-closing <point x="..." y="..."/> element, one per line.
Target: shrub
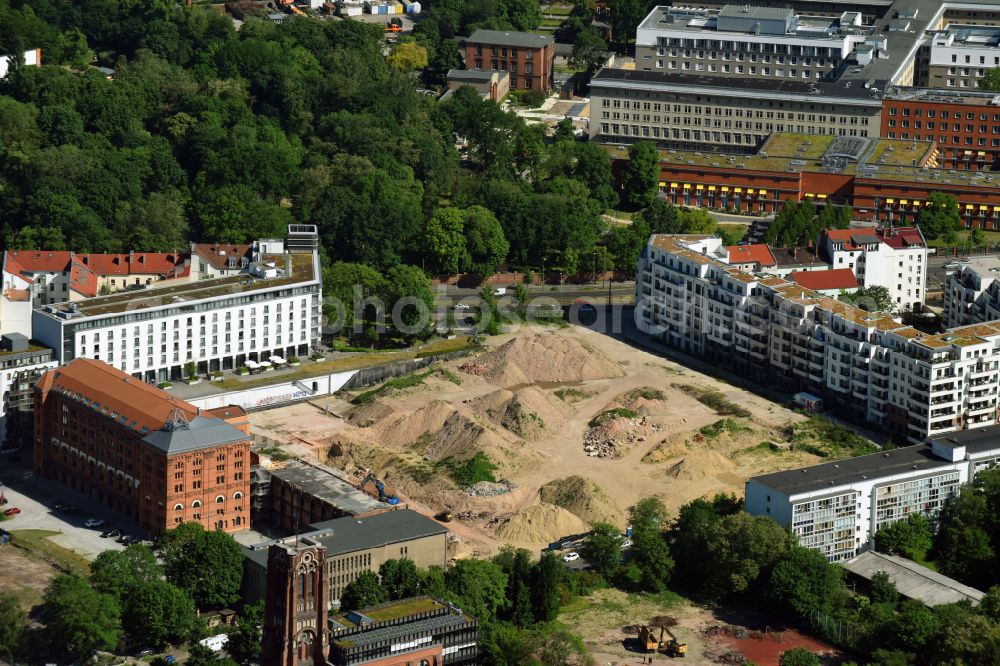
<point x="477" y="468"/>
<point x="616" y="413"/>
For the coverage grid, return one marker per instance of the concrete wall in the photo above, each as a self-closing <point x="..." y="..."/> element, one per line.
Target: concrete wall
<point x="277" y="394"/>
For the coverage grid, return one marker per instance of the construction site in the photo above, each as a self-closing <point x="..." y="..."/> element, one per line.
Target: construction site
<point x="570" y="426"/>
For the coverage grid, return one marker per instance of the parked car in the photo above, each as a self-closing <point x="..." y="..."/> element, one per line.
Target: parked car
<point x="627" y="543"/>
<point x="461" y="307"/>
<point x="113" y="532"/>
<point x="13" y="511"/>
<point x="93" y="522"/>
<point x="500" y="291"/>
<point x="571" y="557"/>
<point x="129" y="540"/>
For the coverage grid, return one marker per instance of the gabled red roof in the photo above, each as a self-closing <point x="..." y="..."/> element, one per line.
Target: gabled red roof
<point x="137" y="263"/>
<point x="34" y="261"/>
<point x="837" y="278"/>
<point x="901" y="237"/>
<point x="757" y="253"/>
<point x="219" y="254"/>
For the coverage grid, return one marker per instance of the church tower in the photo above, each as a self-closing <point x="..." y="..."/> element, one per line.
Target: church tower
<point x="296" y="605"/>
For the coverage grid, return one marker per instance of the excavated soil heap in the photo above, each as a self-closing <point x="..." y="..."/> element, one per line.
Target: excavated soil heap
<point x="529" y="359"/>
<point x="699" y="466"/>
<point x="542" y="523"/>
<point x="528" y="412"/>
<point x="582" y="497"/>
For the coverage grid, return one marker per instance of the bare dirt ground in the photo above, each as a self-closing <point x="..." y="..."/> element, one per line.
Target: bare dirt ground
<point x="585" y="421"/>
<point x="24" y="576"/>
<point x="607" y="619"/>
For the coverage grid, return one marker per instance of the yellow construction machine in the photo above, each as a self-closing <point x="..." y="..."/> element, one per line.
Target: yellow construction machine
<point x="671" y="647"/>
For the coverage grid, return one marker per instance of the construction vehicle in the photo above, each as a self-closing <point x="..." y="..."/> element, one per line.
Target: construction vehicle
<point x="444" y="516"/>
<point x="392" y="27"/>
<point x="650" y="643"/>
<point x="388" y="499"/>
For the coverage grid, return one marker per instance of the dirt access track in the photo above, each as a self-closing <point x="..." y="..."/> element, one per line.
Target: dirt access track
<point x="581" y="424"/>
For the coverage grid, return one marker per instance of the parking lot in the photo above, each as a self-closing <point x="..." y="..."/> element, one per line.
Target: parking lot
<point x="34" y="497"/>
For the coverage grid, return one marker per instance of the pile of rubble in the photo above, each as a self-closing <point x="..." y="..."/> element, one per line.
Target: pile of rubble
<point x="489" y="488"/>
<point x="614" y="437"/>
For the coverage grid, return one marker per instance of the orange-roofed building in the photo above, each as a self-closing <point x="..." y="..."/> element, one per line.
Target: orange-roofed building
<point x="754" y="257"/>
<point x="140" y="451"/>
<point x="828" y="283"/>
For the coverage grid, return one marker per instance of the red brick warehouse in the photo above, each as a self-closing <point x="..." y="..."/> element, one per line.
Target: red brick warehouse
<point x="140" y="451"/>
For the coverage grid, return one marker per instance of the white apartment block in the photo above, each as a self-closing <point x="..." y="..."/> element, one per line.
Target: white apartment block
<point x="773" y="330"/>
<point x="837" y="507"/>
<point x="971" y="292"/>
<point x="272" y="308"/>
<point x="21" y="364"/>
<point x="894" y="258"/>
<point x="960" y="55"/>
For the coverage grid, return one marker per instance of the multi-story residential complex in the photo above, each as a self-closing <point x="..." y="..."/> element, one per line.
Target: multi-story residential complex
<point x="960" y="55"/>
<point x="21" y="364"/>
<point x="774" y="330"/>
<point x="890" y="257"/>
<point x="972" y="293"/>
<point x="354" y="545"/>
<point x="140" y="451"/>
<point x="526" y="57"/>
<point x="411" y="632"/>
<point x="837" y="507"/>
<point x="271" y="308"/>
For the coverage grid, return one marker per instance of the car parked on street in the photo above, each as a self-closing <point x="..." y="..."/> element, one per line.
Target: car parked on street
<point x="93" y="522"/>
<point x="13" y="511"/>
<point x="113" y="532"/>
<point x="571" y="557"/>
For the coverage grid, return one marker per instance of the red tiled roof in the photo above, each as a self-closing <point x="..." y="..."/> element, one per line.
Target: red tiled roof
<point x="144" y="263"/>
<point x="837" y="278"/>
<point x="82" y="279"/>
<point x="32" y="261"/>
<point x="901" y="237"/>
<point x="218" y="255"/>
<point x="757" y="253"/>
<point x="120" y="393"/>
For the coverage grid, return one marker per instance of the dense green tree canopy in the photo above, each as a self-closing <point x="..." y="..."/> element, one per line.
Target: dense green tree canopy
<point x="208" y="565"/>
<point x="364" y="591"/>
<point x="84" y="619"/>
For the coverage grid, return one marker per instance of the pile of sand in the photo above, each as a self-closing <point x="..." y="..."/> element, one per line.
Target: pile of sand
<point x="404" y="428"/>
<point x="542" y="523"/>
<point x="582" y="497"/>
<point x="368" y="414"/>
<point x="699" y="466"/>
<point x="528" y="412"/>
<point x="613" y="437"/>
<point x="645" y="400"/>
<point x="461" y="438"/>
<point x="528" y="359"/>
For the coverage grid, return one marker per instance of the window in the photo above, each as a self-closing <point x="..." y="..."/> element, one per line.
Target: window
<point x="238" y="495"/>
<point x="178" y="507"/>
<point x="220" y="499"/>
<point x="195" y="504"/>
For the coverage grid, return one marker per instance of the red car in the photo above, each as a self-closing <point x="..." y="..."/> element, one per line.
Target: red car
<point x="12" y="512"/>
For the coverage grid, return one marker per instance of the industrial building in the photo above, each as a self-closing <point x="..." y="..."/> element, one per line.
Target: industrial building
<point x="140" y="451"/>
<point x="773" y="330"/>
<point x="837" y="507"/>
<point x="353" y="545"/>
<point x="912" y="580"/>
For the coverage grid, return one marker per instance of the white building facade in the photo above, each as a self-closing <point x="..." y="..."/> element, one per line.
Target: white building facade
<point x="774" y="331"/>
<point x="971" y="292"/>
<point x="892" y="258"/>
<point x="836" y="508"/>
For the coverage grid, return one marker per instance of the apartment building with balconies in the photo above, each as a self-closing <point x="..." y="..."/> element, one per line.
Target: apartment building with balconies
<point x="773" y="330"/>
<point x="835" y="508"/>
<point x="971" y="294"/>
<point x="894" y="258"/>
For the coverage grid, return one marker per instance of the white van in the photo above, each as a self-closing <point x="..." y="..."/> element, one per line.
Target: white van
<point x="500" y="291"/>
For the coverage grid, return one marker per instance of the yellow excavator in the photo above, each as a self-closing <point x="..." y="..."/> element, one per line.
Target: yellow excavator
<point x="671" y="647"/>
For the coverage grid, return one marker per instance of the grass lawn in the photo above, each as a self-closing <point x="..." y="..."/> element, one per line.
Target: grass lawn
<point x="37" y="543"/>
<point x="621" y="214"/>
<point x="738" y="231"/>
<point x="557" y="10"/>
<point x="992" y="237"/>
<point x="311" y="369"/>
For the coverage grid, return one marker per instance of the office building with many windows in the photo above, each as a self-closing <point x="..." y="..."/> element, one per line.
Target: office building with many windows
<point x="837" y="507"/>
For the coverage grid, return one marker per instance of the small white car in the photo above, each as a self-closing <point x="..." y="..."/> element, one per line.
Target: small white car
<point x="93" y="522"/>
<point x="461" y="307"/>
<point x="571" y="557"/>
<point x="500" y="291"/>
<point x="627" y="543"/>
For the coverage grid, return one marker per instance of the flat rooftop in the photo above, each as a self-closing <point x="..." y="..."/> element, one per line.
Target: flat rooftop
<point x="913" y="580"/>
<point x="302" y="270"/>
<point x="394" y="633"/>
<point x="510" y="38"/>
<point x="324" y="484"/>
<point x="349" y="535"/>
<point x="908" y="459"/>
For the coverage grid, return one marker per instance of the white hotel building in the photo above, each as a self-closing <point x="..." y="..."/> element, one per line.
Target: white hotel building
<point x="773" y="330"/>
<point x="273" y="308"/>
<point x="837" y="507"/>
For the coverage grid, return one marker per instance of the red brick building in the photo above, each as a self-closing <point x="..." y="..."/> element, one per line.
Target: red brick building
<point x="140" y="451"/>
<point x="295" y="605"/>
<point x="528" y="58"/>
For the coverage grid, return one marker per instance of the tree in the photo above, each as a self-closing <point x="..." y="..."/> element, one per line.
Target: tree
<point x="408" y="297"/>
<point x="624" y="17"/>
<point x="977" y="237"/>
<point x="798" y="657"/>
<point x="157" y="613"/>
<point x="588" y="50"/>
<point x="400" y="578"/>
<point x="803" y="583"/>
<point x="444" y="235"/>
<point x="564" y="131"/>
<point x="84" y="619"/>
<point x="639" y="181"/>
<point x="962" y="543"/>
<point x="938" y="215"/>
<point x="349" y="286"/>
<point x="662" y="217"/>
<point x="649" y="547"/>
<point x="207" y="565"/>
<point x="516" y="564"/>
<point x="486" y="247"/>
<point x="915" y="626"/>
<point x="479" y="587"/>
<point x="873" y="299"/>
<point x="408" y="57"/>
<point x="883" y="590"/>
<point x="911" y="538"/>
<point x="13" y="621"/>
<point x="991" y="79"/>
<point x="364" y="591"/>
<point x="546" y="576"/>
<point x="602" y="549"/>
<point x="741" y="548"/>
<point x="244" y="643"/>
<point x="117" y="572"/>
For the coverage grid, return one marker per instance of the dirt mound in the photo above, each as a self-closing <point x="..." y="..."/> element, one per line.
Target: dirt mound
<point x="368" y="414"/>
<point x="613" y="436"/>
<point x="542" y="358"/>
<point x="403" y="428"/>
<point x="699" y="466"/>
<point x="460" y="437"/>
<point x="528" y="412"/>
<point x="582" y="497"/>
<point x="542" y="523"/>
<point x="645" y="400"/>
